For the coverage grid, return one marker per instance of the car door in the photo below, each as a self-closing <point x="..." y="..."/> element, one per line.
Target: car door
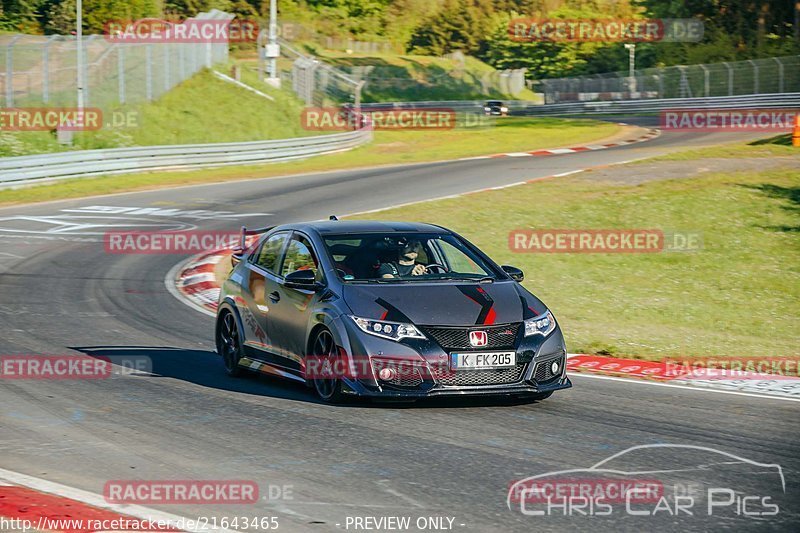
<point x="263" y="268"/>
<point x="290" y="315"/>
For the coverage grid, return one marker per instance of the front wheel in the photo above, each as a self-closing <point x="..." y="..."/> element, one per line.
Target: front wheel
<point x="324" y="348"/>
<point x="229" y="343"/>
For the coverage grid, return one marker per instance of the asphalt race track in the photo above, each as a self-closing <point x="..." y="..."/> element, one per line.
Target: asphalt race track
<point x="60" y="293"/>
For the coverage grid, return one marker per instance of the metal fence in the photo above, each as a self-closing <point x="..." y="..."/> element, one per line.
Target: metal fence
<point x="42" y="70"/>
<point x="756" y="76"/>
<point x="319" y="83"/>
<point x="315" y="82"/>
<point x="789" y="101"/>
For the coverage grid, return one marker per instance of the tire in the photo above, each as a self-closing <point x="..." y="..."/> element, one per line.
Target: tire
<point x="328" y="390"/>
<point x="229" y="343"/>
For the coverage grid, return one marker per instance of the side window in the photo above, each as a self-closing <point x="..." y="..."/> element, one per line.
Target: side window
<point x="299" y="256"/>
<point x="267" y="257"/>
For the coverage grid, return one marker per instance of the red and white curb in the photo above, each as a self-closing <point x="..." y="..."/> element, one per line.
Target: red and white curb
<point x="658" y="373"/>
<point x="42" y="505"/>
<point x="193" y="282"/>
<point x="651" y="134"/>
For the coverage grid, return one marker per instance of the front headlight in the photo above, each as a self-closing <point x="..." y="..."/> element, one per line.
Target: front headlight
<point x="504" y="109"/>
<point x="388" y="330"/>
<point x="540" y="325"/>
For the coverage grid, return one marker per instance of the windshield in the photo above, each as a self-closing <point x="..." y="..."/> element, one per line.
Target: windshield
<point x="395" y="257"/>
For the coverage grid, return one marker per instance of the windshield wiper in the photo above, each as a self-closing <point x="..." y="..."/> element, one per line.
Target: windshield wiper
<point x="485" y="279"/>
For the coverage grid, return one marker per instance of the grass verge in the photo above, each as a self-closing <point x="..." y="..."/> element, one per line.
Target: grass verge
<point x="737" y="296"/>
<point x="388" y="147"/>
<point x="202" y="109"/>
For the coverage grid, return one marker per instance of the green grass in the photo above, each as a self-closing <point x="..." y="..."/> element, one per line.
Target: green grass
<point x="415" y="78"/>
<point x="737" y="296"/>
<point x="780" y="145"/>
<point x="202" y="109"/>
<point x="388" y="147"/>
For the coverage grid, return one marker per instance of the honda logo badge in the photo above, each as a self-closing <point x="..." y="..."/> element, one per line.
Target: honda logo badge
<point x="478" y="338"/>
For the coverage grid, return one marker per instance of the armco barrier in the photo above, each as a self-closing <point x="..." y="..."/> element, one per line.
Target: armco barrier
<point x="752" y="101"/>
<point x="15" y="171"/>
<point x="608" y="107"/>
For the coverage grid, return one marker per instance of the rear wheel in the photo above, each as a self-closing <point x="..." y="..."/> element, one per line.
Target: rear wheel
<point x="229" y="343"/>
<point x="324" y="347"/>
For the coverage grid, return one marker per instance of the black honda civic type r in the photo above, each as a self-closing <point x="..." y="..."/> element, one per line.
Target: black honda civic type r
<point x="385" y="309"/>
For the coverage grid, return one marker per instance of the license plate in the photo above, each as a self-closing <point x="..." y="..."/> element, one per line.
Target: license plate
<point x="473" y="360"/>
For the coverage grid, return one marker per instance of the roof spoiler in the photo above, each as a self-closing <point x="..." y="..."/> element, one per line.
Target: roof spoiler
<point x="238" y="250"/>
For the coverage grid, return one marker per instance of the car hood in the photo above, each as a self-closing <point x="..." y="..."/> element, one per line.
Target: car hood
<point x="444" y="304"/>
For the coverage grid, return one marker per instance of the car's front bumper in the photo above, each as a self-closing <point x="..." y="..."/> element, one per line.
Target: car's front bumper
<point x="531" y="376"/>
<point x="514" y="389"/>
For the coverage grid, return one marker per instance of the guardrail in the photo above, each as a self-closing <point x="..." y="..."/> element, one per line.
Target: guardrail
<point x="752" y="101"/>
<point x="522" y="107"/>
<point x="16" y="171"/>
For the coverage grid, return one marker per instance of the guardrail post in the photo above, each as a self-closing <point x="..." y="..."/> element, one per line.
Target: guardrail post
<point x="10" y="71"/>
<point x="705" y="79"/>
<point x="86" y="84"/>
<point x="780" y="73"/>
<point x="166" y="57"/>
<point x="148" y="69"/>
<point x="730" y="78"/>
<point x="755" y="75"/>
<point x="121" y="72"/>
<point x="46" y="68"/>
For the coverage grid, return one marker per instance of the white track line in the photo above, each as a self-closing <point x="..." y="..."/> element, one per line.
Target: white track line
<point x="89" y="498"/>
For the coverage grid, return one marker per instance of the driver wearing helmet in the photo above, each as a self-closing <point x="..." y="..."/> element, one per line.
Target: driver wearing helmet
<point x="406" y="264"/>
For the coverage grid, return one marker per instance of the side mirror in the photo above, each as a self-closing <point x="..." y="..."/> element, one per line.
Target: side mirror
<point x="301" y="279"/>
<point x="513" y="272"/>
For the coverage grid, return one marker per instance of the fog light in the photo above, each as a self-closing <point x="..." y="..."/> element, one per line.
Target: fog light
<point x="387" y="374"/>
<point x="554" y="368"/>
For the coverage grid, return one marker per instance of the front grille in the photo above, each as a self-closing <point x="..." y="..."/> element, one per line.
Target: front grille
<point x="457" y="338"/>
<point x="543" y="372"/>
<point x="465" y="378"/>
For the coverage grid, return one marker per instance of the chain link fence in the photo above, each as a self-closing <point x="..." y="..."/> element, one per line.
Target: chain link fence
<point x="756" y="76"/>
<point x="40" y="70"/>
<point x="315" y="82"/>
<point x="319" y="83"/>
